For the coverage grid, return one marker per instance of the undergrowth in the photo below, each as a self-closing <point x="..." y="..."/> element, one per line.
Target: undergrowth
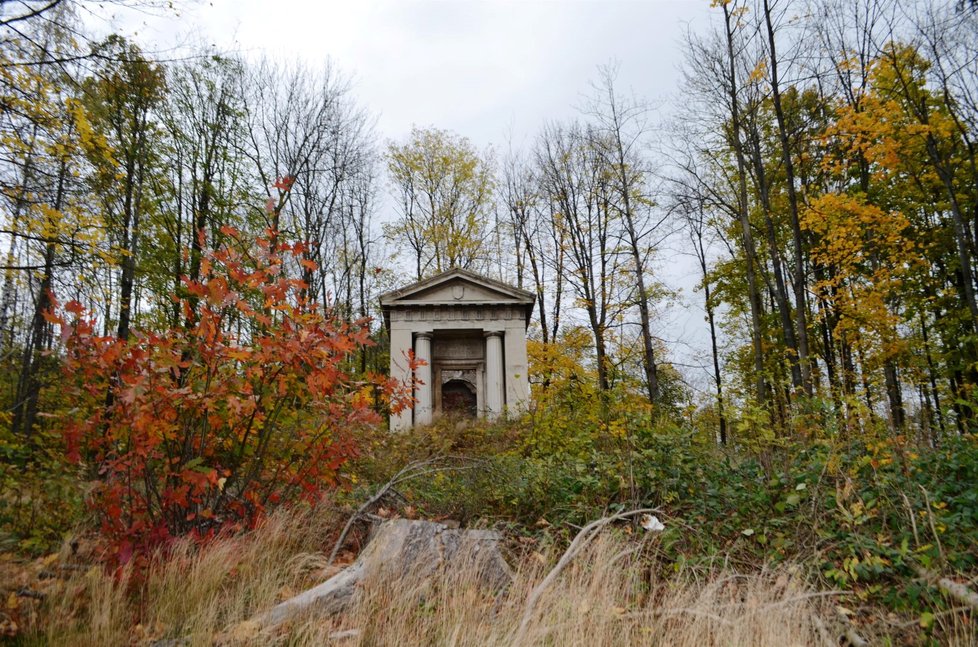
<point x="862" y="517"/>
<point x="759" y="547"/>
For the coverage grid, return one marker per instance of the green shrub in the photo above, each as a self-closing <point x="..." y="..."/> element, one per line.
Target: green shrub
<point x="844" y="509"/>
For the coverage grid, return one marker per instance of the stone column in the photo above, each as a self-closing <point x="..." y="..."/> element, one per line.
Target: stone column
<point x="494" y="374"/>
<point x="517" y="380"/>
<point x="401" y="371"/>
<point x="423" y="393"/>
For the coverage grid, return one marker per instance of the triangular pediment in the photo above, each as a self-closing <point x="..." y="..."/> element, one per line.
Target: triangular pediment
<point x="457" y="286"/>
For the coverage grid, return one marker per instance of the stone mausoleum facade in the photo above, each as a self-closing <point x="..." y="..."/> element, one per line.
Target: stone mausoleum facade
<point x="471" y="333"/>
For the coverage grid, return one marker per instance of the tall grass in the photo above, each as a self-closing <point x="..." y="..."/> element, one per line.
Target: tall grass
<point x="194" y="593"/>
<point x="610" y="595"/>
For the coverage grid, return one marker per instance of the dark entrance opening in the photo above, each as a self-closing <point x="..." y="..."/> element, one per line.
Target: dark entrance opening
<point x="458" y="399"/>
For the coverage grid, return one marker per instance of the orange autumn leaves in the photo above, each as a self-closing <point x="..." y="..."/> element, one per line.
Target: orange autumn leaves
<point x="865" y="235"/>
<point x="870" y="255"/>
<point x="199" y="428"/>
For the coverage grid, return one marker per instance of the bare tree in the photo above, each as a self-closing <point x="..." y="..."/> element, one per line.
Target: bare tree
<point x="798" y="278"/>
<point x="123" y="100"/>
<point x="574" y="180"/>
<point x="312" y="149"/>
<point x="534" y="240"/>
<point x="621" y="129"/>
<point x="713" y="75"/>
<point x="204" y="120"/>
<point x="691" y="199"/>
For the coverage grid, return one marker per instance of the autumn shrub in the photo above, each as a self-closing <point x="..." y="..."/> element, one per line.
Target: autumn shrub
<point x="570" y="415"/>
<point x="201" y="427"/>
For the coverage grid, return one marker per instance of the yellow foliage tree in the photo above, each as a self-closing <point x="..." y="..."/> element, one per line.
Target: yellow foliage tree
<point x="446" y="192"/>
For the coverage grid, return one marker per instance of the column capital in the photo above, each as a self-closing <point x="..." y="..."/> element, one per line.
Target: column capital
<point x="426" y="334"/>
<point x="493" y="333"/>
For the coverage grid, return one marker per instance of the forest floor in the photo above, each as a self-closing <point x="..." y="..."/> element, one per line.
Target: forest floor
<point x="613" y="593"/>
<point x="821" y="545"/>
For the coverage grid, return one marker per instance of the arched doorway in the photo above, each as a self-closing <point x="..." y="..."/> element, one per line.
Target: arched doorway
<point x="458" y="398"/>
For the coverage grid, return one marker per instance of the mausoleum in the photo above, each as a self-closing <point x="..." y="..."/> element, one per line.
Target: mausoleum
<point x="471" y="333"/>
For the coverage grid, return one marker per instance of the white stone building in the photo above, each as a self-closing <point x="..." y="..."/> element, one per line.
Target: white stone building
<point x="471" y="333"/>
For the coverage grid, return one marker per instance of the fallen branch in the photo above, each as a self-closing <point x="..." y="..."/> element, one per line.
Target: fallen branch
<point x="855" y="639"/>
<point x="823" y="633"/>
<point x="953" y="589"/>
<point x="580" y="541"/>
<point x="24" y="592"/>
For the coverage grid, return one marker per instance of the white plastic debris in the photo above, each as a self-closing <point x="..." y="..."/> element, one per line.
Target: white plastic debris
<point x="651" y="523"/>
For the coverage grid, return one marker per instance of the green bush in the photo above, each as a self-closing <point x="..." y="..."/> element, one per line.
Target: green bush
<point x="843" y="509"/>
<point x="40" y="496"/>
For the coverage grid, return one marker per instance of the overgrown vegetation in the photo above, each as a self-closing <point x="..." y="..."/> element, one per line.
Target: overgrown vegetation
<point x="861" y="517"/>
<point x="835" y="533"/>
<point x="192" y="366"/>
<point x="607" y="597"/>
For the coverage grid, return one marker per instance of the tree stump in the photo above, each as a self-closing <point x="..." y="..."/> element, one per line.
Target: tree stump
<point x="401" y="548"/>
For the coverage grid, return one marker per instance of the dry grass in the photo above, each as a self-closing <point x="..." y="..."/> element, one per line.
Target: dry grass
<point x="607" y="596"/>
<point x="195" y="593"/>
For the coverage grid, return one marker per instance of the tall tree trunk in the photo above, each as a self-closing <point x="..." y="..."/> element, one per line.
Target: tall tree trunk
<point x="799" y="274"/>
<point x="539" y="288"/>
<point x="9" y="289"/>
<point x="961" y="234"/>
<point x="178" y="241"/>
<point x="783" y="306"/>
<point x="754" y="295"/>
<point x="710" y="317"/>
<point x="128" y="258"/>
<point x="626" y="184"/>
<point x="9" y="285"/>
<point x="833" y="351"/>
<point x="649" y="364"/>
<point x="894" y="394"/>
<point x="931" y="374"/>
<point x="29" y="382"/>
<point x="558" y="282"/>
<point x="198" y="236"/>
<point x="601" y="352"/>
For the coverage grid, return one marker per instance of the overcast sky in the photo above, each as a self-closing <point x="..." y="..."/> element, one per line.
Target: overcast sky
<point x="492" y="70"/>
<point x="482" y="68"/>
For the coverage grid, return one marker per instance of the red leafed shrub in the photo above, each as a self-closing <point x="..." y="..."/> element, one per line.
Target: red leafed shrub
<point x="202" y="427"/>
